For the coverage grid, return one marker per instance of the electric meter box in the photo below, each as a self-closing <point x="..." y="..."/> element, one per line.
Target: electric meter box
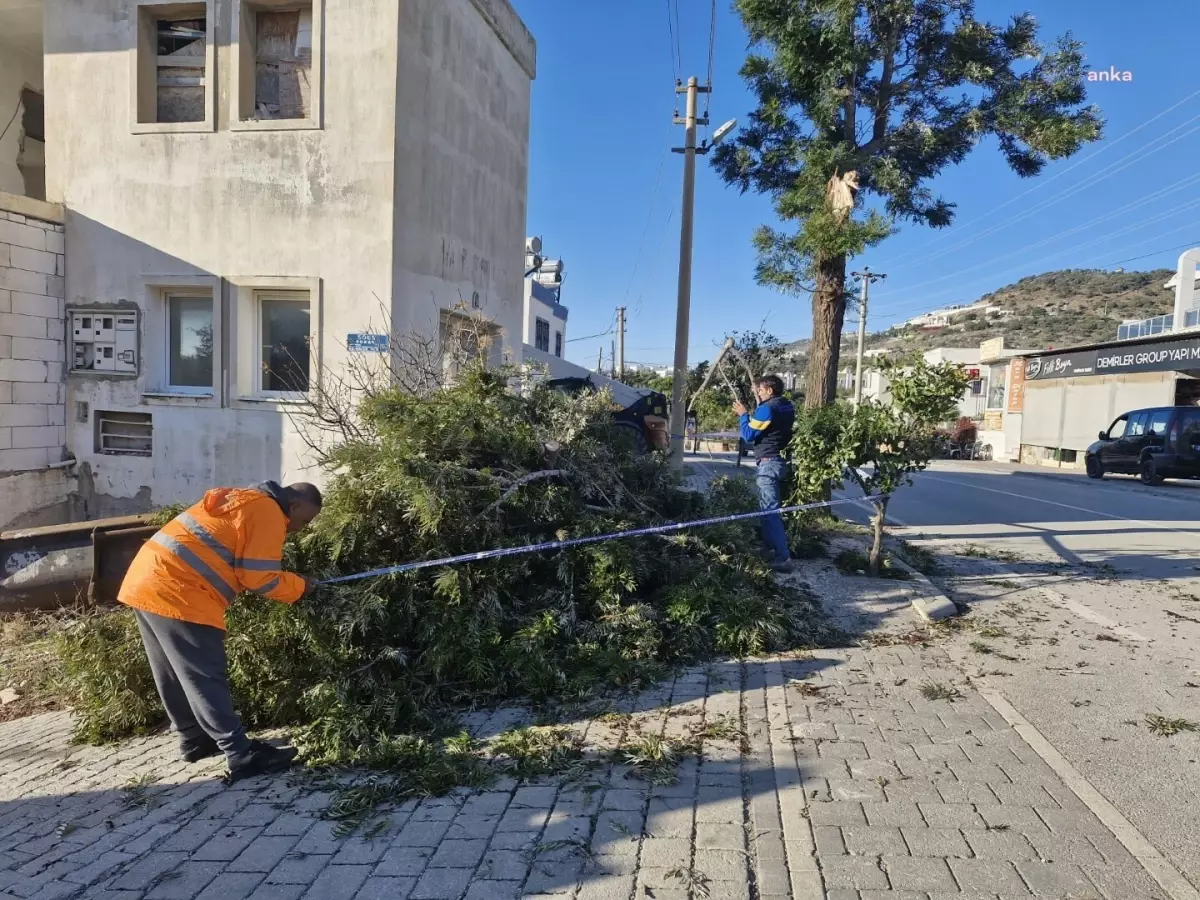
<point x="104" y="340"/>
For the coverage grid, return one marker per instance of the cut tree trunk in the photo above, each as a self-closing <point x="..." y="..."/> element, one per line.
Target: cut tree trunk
<point x="877" y="522"/>
<point x="828" y="314"/>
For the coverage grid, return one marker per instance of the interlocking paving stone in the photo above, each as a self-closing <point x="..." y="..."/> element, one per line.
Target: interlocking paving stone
<point x="886" y="796"/>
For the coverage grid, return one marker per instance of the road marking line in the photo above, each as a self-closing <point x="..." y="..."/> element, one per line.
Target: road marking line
<point x="1083" y="509"/>
<point x="899" y="523"/>
<point x="1086" y="612"/>
<point x="1160" y="868"/>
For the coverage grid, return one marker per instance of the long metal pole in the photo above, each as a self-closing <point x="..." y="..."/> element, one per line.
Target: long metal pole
<point x="684" y="305"/>
<point x="862" y="336"/>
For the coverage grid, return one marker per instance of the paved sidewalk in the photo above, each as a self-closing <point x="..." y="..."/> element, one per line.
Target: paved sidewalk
<point x="823" y="776"/>
<point x="852" y="786"/>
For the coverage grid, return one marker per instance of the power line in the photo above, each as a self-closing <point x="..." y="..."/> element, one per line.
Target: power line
<point x="712" y="43"/>
<point x="637" y="304"/>
<point x="910" y="307"/>
<point x="1103" y="174"/>
<point x="590" y="337"/>
<point x="678" y="37"/>
<point x="1042" y="184"/>
<point x="1015" y="270"/>
<point x="650" y="211"/>
<point x="672" y="44"/>
<point x="1155" y="253"/>
<point x="1149" y="198"/>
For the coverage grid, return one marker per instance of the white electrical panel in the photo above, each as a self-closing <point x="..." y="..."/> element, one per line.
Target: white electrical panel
<point x="104" y="341"/>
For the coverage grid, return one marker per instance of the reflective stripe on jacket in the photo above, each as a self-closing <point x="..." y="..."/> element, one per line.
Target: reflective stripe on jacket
<point x="769" y="429"/>
<point x="229" y="542"/>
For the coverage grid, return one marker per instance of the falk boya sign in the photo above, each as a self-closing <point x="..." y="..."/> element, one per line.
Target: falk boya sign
<point x="1163" y="356"/>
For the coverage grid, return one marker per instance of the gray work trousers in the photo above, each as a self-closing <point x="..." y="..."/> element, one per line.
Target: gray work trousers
<point x="189" y="666"/>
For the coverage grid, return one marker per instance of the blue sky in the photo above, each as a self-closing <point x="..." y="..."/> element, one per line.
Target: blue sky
<point x="604" y="192"/>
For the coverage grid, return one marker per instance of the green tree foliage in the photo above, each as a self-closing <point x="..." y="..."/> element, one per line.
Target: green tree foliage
<point x="893" y="91"/>
<point x="876" y="446"/>
<point x="466" y="468"/>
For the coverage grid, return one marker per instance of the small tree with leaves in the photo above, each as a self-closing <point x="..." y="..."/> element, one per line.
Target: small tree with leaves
<point x="877" y="446"/>
<point x="876" y="98"/>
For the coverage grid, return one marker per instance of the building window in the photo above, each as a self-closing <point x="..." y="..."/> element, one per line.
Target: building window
<point x="283" y="330"/>
<point x="190" y="343"/>
<point x="541" y="338"/>
<point x="997" y="387"/>
<point x="173" y="63"/>
<point x="467" y="342"/>
<point x="558" y="344"/>
<point x="278" y="69"/>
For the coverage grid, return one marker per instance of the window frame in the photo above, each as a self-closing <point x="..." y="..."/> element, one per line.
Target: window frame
<point x="245" y="57"/>
<point x="558" y="344"/>
<point x="182" y="293"/>
<point x="1137" y="421"/>
<point x="143" y="85"/>
<point x="540" y="324"/>
<point x="289" y="296"/>
<point x="1152" y="419"/>
<point x="245" y="337"/>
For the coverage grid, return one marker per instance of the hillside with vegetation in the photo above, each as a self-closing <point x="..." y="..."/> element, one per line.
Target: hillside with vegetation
<point x="1054" y="309"/>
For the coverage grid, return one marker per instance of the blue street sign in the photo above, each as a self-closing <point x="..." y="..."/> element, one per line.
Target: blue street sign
<point x="367" y="343"/>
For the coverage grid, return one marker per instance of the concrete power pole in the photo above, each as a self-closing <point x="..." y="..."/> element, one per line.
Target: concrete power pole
<point x="866" y="276"/>
<point x="600" y="361"/>
<point x="620" y="342"/>
<point x="684" y="304"/>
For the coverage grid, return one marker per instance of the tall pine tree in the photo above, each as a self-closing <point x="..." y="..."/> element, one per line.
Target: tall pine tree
<point x="874" y="98"/>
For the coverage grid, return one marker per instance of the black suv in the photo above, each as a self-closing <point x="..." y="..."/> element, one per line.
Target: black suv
<point x="1154" y="444"/>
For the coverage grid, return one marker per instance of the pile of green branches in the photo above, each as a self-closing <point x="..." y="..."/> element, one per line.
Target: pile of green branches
<point x="354" y="667"/>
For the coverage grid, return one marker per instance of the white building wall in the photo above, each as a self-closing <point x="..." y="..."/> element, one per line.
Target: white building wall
<point x="461" y="165"/>
<point x="539" y="306"/>
<point x="1069" y="413"/>
<point x="18" y="69"/>
<point x="406" y="201"/>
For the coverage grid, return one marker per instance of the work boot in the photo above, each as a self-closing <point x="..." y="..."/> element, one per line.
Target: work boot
<point x="261" y="759"/>
<point x="781" y="565"/>
<point x="198" y="748"/>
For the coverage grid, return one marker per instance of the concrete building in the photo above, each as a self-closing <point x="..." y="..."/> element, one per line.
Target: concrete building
<point x="252" y="194"/>
<point x="545" y="327"/>
<point x="1072" y="394"/>
<point x="877" y="387"/>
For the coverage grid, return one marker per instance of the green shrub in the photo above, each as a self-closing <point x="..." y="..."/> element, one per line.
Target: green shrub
<point x="107" y="678"/>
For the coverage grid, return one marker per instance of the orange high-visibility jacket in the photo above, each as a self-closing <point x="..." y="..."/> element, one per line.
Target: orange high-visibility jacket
<point x="231" y="541"/>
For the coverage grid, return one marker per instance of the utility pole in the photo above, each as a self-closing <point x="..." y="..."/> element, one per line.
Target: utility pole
<point x="613" y="361"/>
<point x="600" y="361"/>
<point x="620" y="342"/>
<point x="866" y="276"/>
<point x="683" y="309"/>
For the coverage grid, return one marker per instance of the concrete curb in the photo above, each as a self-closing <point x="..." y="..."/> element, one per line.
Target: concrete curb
<point x="931" y="606"/>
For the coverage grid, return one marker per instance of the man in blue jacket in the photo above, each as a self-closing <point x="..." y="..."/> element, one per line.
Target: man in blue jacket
<point x="769" y="431"/>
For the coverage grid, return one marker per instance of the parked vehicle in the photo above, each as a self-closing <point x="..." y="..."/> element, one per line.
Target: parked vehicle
<point x="639" y="413"/>
<point x="1154" y="444"/>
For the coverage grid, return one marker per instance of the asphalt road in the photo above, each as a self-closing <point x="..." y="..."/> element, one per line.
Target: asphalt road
<point x="1088" y="594"/>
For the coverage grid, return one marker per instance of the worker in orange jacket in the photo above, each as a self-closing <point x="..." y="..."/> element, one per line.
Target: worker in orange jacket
<point x="179" y="586"/>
